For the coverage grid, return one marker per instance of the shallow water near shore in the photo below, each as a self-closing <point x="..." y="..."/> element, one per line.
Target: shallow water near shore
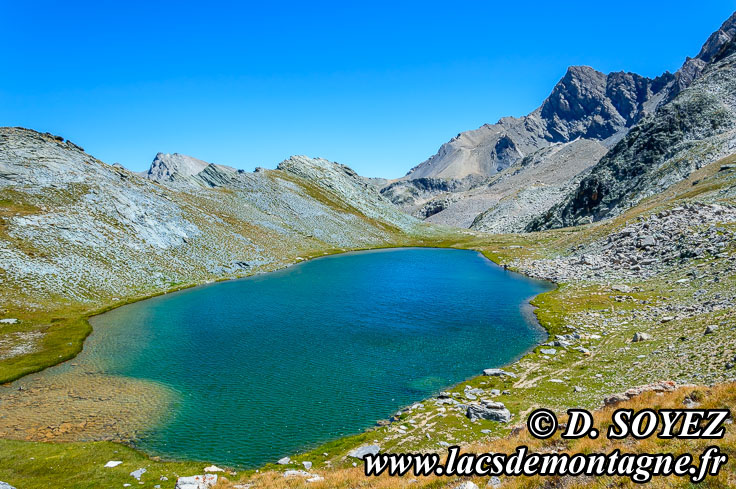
<point x="270" y="365"/>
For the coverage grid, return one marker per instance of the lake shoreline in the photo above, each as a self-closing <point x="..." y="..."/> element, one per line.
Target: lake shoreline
<point x="530" y="315"/>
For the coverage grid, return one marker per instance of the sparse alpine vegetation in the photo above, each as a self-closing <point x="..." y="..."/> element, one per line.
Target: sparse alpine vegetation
<point x="644" y="169"/>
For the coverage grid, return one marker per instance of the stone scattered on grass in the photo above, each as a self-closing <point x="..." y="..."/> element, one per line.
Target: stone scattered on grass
<point x="196" y="482"/>
<point x="284" y="461"/>
<point x="497" y="372"/>
<point x="364" y="450"/>
<point x="639" y="337"/>
<point x="138" y="473"/>
<point x="489" y="410"/>
<point x="113" y="463"/>
<point x="467" y="485"/>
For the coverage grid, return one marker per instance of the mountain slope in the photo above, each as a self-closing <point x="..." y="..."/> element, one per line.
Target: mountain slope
<point x="696" y="127"/>
<point x="585" y="105"/>
<point x="170" y="167"/>
<point x="77" y="234"/>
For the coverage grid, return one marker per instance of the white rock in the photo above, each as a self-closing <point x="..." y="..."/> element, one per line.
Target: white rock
<point x="361" y="452"/>
<point x="113" y="463"/>
<point x="467" y="485"/>
<point x="316" y="478"/>
<point x="638" y="337"/>
<point x="497" y="372"/>
<point x="307" y="465"/>
<point x="213" y="468"/>
<point x="196" y="481"/>
<point x="284" y="461"/>
<point x="138" y="473"/>
<point x="297" y="473"/>
<point x="9" y="321"/>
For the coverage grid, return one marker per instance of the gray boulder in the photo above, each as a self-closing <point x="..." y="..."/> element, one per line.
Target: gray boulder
<point x="364" y="450"/>
<point x="639" y="337"/>
<point x="497" y="372"/>
<point x="492" y="411"/>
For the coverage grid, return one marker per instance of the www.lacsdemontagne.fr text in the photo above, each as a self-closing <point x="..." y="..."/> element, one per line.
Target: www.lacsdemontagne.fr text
<point x="542" y="423"/>
<point x="639" y="467"/>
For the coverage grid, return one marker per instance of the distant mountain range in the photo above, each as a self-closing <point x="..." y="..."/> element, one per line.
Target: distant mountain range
<point x="597" y="144"/>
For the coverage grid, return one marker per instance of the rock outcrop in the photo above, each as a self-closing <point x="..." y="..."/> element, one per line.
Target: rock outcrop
<point x="482" y="178"/>
<point x="80" y="231"/>
<point x="696" y="127"/>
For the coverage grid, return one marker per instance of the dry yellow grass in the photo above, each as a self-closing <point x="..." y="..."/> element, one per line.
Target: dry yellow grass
<point x="720" y="396"/>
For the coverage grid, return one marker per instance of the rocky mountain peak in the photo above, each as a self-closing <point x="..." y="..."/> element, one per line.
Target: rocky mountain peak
<point x="177" y="167"/>
<point x="590" y="104"/>
<point x="693" y="126"/>
<point x="718" y="39"/>
<point x="166" y="166"/>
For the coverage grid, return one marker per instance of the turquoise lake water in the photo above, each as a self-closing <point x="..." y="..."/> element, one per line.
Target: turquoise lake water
<point x="270" y="365"/>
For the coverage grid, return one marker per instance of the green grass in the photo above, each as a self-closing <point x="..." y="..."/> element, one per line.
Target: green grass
<point x="30" y="464"/>
<point x="62" y="340"/>
<point x="81" y="465"/>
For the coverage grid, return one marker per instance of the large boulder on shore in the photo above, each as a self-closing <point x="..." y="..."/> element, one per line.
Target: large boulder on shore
<point x="492" y="411"/>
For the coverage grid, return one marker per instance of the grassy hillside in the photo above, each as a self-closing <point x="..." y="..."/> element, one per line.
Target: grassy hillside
<point x="673" y="300"/>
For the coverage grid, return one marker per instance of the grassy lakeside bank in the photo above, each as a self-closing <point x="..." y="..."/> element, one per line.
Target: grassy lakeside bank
<point x="605" y="318"/>
<point x="78" y="465"/>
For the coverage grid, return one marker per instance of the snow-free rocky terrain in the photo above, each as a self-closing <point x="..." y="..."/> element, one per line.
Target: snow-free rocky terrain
<point x="596" y="146"/>
<point x="76" y="232"/>
<point x="644" y="170"/>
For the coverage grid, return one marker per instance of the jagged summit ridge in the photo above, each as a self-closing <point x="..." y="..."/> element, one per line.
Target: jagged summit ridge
<point x="584" y="103"/>
<point x="502" y="176"/>
<point x="697" y="127"/>
<point x="167" y="167"/>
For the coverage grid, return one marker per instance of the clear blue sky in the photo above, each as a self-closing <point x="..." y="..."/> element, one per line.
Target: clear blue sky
<point x="377" y="86"/>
